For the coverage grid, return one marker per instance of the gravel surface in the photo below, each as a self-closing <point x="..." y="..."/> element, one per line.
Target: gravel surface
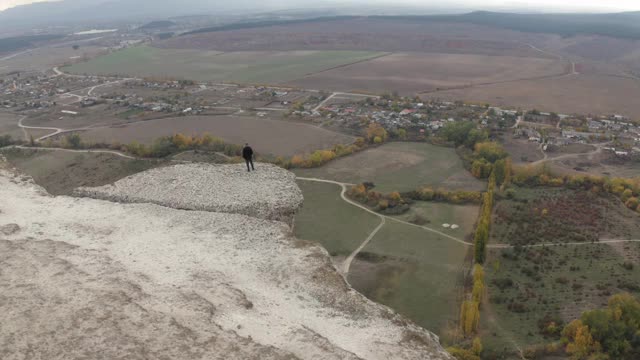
<point x="93" y="279"/>
<point x="267" y="193"/>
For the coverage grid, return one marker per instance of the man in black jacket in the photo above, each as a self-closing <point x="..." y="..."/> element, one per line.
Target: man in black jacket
<point x="247" y="154"/>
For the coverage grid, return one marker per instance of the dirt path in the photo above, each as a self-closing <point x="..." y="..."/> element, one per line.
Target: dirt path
<point x="590" y="154"/>
<point x="347" y="263"/>
<point x="117" y="153"/>
<point x="383" y="218"/>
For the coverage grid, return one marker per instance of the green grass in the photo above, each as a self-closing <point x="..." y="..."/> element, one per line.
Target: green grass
<point x="241" y="67"/>
<point x="400" y="166"/>
<point x="441" y="213"/>
<point x="327" y="219"/>
<point x="415" y="272"/>
<point x="544" y="282"/>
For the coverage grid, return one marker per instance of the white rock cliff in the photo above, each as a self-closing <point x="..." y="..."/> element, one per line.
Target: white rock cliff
<point x="96" y="279"/>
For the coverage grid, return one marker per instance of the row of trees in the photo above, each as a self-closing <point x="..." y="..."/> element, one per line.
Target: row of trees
<point x="375" y="134"/>
<point x="481" y="236"/>
<point x="470" y="307"/>
<point x="455" y="197"/>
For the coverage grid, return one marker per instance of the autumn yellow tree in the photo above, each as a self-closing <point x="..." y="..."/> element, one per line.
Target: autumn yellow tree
<point x="469" y="317"/>
<point x="376" y="133"/>
<point x="478" y="283"/>
<point x="580" y="341"/>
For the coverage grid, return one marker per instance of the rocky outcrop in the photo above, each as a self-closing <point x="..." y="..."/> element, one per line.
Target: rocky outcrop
<point x="88" y="278"/>
<point x="267" y="193"/>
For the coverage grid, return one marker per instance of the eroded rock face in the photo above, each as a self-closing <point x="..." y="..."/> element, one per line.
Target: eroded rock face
<point x="9" y="229"/>
<point x="267" y="193"/>
<point x="86" y="278"/>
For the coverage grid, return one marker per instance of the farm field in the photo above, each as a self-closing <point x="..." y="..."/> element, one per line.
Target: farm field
<point x="240" y="67"/>
<point x="60" y="172"/>
<point x="44" y="58"/>
<point x="556" y="215"/>
<point x="327" y="219"/>
<point x="410" y="73"/>
<point x="100" y="115"/>
<point x="530" y="288"/>
<point x="567" y="94"/>
<point x="267" y="136"/>
<point x="396" y="35"/>
<point x="415" y="272"/>
<point x="400" y="166"/>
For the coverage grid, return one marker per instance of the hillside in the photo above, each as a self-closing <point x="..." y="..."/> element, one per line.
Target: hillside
<point x="96" y="278"/>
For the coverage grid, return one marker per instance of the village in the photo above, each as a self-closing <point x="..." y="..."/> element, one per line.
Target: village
<point x="57" y="95"/>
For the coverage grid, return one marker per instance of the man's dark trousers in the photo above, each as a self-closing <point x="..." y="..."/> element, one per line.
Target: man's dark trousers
<point x="249" y="161"/>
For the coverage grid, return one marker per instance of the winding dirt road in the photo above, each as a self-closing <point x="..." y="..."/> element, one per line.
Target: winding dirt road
<point x="344" y="268"/>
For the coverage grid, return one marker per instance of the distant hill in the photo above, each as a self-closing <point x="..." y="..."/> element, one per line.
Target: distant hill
<point x="22" y="42"/>
<point x="93" y="11"/>
<point x="260" y="24"/>
<point x="160" y="24"/>
<point x="622" y="25"/>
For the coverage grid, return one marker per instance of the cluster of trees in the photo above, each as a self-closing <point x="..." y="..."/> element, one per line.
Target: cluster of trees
<point x="609" y="333"/>
<point x="376" y="134"/>
<point x="627" y="190"/>
<point x="454" y="197"/>
<point x="463" y="133"/>
<point x="391" y="203"/>
<point x="486" y="156"/>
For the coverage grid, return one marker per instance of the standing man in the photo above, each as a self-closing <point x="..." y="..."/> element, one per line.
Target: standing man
<point x="247" y="154"/>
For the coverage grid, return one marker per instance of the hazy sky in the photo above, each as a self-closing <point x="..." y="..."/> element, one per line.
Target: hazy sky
<point x="540" y="5"/>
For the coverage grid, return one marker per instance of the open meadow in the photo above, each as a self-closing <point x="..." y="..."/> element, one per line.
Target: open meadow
<point x="240" y="67"/>
<point x="266" y="136"/>
<point x="415" y="272"/>
<point x="400" y="166"/>
<point x="9" y="125"/>
<point x="327" y="219"/>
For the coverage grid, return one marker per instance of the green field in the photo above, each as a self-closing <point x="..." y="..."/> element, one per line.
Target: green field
<point x="240" y="67"/>
<point x="327" y="219"/>
<point x="415" y="272"/>
<point x="441" y="213"/>
<point x="400" y="166"/>
<point x="560" y="282"/>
